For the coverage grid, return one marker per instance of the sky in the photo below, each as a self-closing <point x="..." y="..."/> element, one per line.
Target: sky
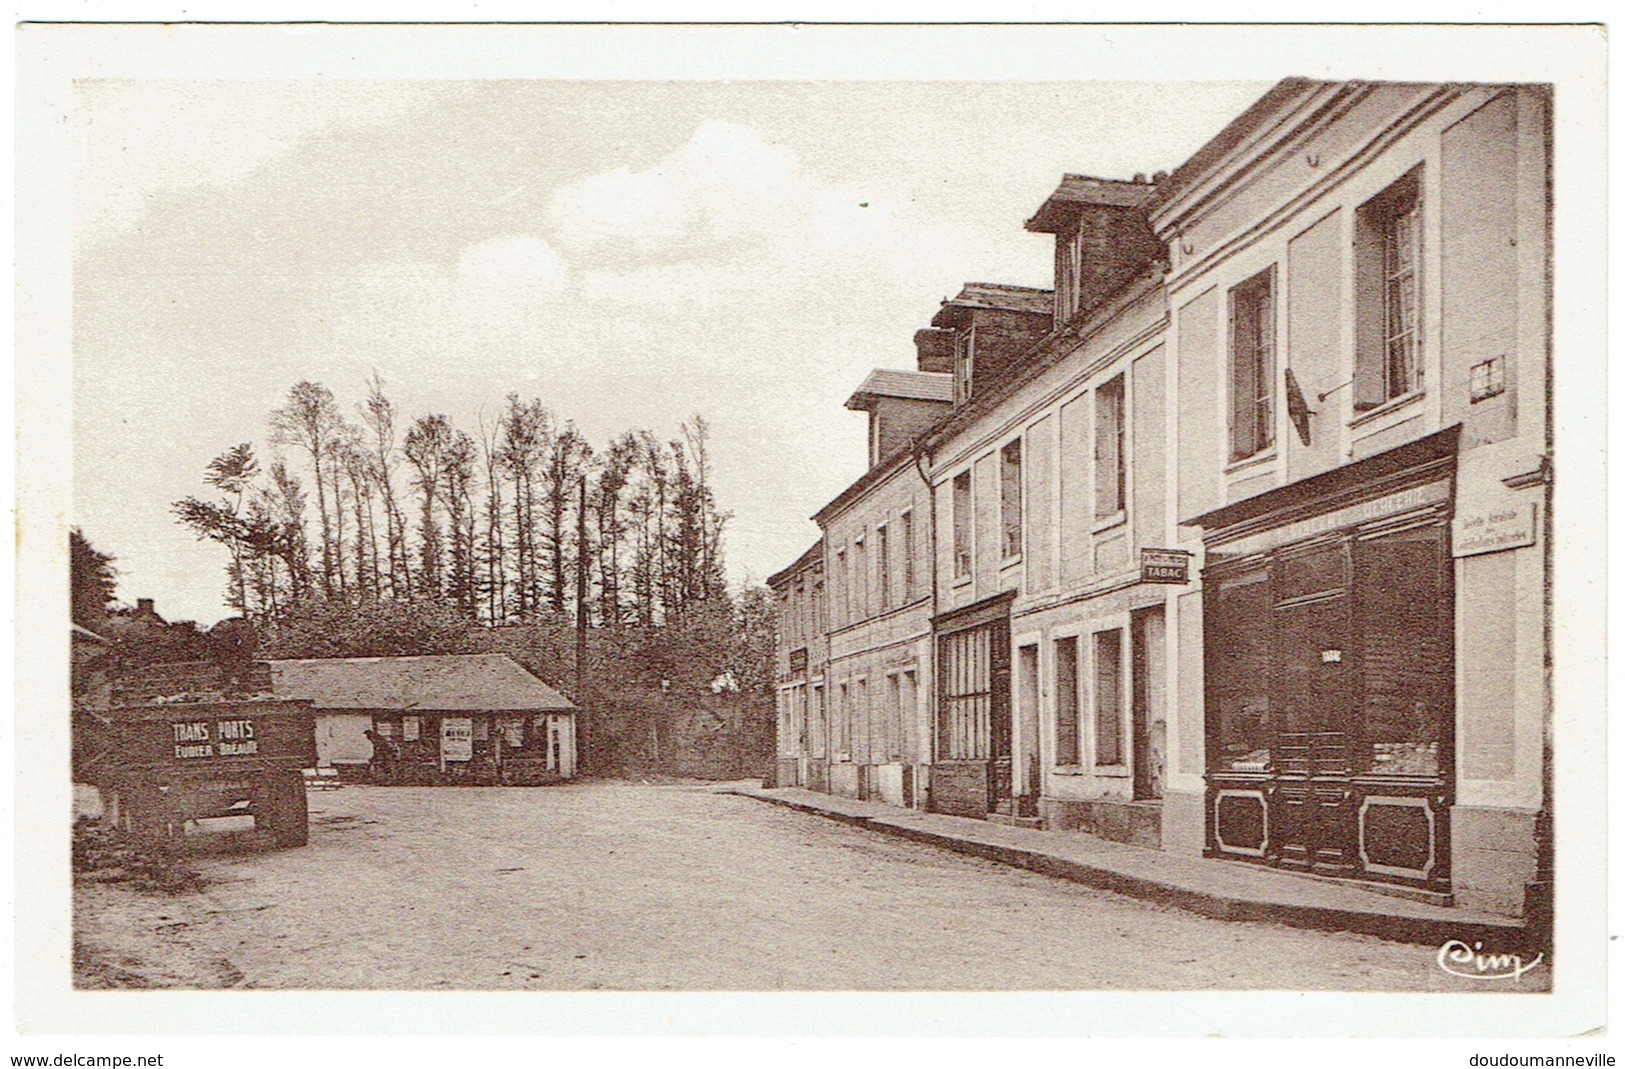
<point x="631" y="253"/>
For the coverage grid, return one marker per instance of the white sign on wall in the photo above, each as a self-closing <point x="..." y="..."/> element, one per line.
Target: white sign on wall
<point x="1491" y="530"/>
<point x="456" y="738"/>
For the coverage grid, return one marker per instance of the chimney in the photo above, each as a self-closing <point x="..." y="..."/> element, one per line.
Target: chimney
<point x="934" y="350"/>
<point x="143" y="607"/>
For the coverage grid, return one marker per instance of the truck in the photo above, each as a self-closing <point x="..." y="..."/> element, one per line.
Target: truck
<point x="161" y="763"/>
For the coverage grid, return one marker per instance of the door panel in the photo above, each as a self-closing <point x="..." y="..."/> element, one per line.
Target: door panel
<point x="1314" y="692"/>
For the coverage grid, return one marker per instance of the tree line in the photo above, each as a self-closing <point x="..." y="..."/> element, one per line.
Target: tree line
<point x="360" y="533"/>
<point x="496" y="525"/>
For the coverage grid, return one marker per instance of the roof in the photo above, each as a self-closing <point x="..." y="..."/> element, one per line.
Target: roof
<point x="1080" y="190"/>
<point x="1045" y="352"/>
<point x="448" y="682"/>
<point x="1234" y="133"/>
<point x="88" y="635"/>
<point x="888" y="466"/>
<point x="995" y="295"/>
<point x="909" y="385"/>
<point x="813" y="555"/>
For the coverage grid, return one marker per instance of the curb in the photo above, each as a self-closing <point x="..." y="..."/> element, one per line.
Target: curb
<point x="1400" y="929"/>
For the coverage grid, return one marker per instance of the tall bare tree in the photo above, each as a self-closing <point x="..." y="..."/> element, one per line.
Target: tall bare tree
<point x="426" y="446"/>
<point x="378" y="416"/>
<point x="310" y="421"/>
<point x="526" y="431"/>
<point x="566" y="459"/>
<point x="459" y="475"/>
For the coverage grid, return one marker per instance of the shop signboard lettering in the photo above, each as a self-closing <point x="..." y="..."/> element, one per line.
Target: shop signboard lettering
<point x="1165" y="566"/>
<point x="457" y="739"/>
<point x="1418" y="497"/>
<point x="221" y="738"/>
<point x="1493" y="529"/>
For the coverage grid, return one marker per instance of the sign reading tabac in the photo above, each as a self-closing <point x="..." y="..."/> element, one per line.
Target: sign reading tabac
<point x="1165" y="566"/>
<point x="1493" y="529"/>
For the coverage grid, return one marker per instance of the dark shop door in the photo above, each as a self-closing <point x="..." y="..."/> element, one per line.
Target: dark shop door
<point x="1314" y="677"/>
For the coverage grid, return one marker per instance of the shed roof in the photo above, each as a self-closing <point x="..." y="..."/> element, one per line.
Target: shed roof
<point x="451" y="682"/>
<point x="908" y="385"/>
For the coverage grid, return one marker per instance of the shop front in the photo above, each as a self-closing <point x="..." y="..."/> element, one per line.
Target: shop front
<point x="971" y="774"/>
<point x="1330" y="667"/>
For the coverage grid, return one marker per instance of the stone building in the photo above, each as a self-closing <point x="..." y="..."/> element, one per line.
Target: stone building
<point x="1360" y="443"/>
<point x="1236" y="544"/>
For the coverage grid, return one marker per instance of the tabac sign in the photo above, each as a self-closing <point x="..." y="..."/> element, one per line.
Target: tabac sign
<point x="1165" y="566"/>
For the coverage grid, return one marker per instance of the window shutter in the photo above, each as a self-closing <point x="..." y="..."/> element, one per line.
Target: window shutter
<point x="1243" y="389"/>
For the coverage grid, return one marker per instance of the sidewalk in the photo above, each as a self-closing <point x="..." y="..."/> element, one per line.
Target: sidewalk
<point x="1224" y="890"/>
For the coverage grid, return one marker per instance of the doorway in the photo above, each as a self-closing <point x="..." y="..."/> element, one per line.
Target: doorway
<point x="1026" y="802"/>
<point x="1148" y="698"/>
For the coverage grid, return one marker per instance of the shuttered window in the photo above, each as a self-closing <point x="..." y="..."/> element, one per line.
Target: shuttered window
<point x="1066" y="701"/>
<point x="962" y="525"/>
<point x="1252" y="366"/>
<point x="1010" y="497"/>
<point x="1111" y="491"/>
<point x="1109" y="697"/>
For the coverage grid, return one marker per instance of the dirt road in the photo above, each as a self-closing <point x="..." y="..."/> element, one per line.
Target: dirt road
<point x="633" y="887"/>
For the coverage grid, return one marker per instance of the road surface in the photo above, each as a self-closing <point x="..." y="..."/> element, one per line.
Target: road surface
<point x="622" y="886"/>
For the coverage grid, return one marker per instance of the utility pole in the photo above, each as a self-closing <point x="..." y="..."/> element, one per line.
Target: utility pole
<point x="583" y="744"/>
<point x="581" y="591"/>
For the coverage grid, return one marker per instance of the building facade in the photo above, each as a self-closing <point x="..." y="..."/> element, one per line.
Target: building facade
<point x="1361" y="442"/>
<point x="801" y="650"/>
<point x="876" y="539"/>
<point x="1051" y="650"/>
<point x="1237" y="542"/>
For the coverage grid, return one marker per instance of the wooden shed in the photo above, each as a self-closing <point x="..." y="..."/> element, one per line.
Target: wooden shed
<point x="475" y="718"/>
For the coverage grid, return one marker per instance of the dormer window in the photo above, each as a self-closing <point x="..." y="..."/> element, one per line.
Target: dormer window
<point x="964" y="364"/>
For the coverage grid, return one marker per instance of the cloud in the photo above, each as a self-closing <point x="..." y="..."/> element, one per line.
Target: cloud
<point x="726" y="184"/>
<point x="137" y="141"/>
<point x="516" y="261"/>
<point x="729" y="213"/>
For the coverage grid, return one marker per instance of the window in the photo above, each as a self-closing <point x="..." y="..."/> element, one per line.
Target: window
<point x="962" y="525"/>
<point x="860" y="578"/>
<point x="1109" y="698"/>
<point x="883" y="562"/>
<point x="844" y="714"/>
<point x="1111" y="484"/>
<point x="817" y="726"/>
<point x="964" y="364"/>
<point x="1388" y="247"/>
<point x="1066" y="701"/>
<point x="906" y="536"/>
<point x="894" y="717"/>
<point x="818" y="608"/>
<point x="1010" y="497"/>
<point x="966" y="680"/>
<point x="1238" y="673"/>
<point x="843" y="588"/>
<point x="1252" y="366"/>
<point x="867" y="755"/>
<point x="1488" y="379"/>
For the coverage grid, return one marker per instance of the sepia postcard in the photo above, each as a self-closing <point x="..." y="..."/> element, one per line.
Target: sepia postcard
<point x="789" y="530"/>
